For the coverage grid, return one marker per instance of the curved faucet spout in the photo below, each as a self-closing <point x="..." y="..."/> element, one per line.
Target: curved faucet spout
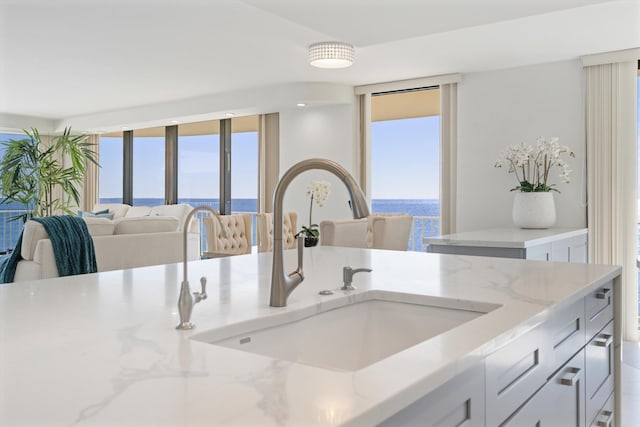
<point x="283" y="284"/>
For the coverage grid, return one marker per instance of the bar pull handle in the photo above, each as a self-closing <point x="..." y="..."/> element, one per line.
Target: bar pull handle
<point x="603" y="340"/>
<point x="604" y="293"/>
<point x="607" y="421"/>
<point x="571" y="381"/>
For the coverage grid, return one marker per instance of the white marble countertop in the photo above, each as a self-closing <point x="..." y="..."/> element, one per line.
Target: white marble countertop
<point x="505" y="237"/>
<point x="101" y="349"/>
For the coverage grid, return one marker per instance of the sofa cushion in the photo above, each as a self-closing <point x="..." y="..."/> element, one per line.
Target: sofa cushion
<point x="138" y="211"/>
<point x="179" y="211"/>
<point x="145" y="224"/>
<point x="101" y="214"/>
<point x="33" y="232"/>
<point x="119" y="210"/>
<point x="99" y="226"/>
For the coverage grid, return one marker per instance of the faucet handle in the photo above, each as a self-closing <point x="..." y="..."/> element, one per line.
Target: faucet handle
<point x="347" y="277"/>
<point x="199" y="296"/>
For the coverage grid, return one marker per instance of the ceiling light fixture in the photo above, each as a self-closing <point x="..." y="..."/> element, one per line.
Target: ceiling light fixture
<point x="331" y="55"/>
<point x="301" y="104"/>
<point x="230" y="114"/>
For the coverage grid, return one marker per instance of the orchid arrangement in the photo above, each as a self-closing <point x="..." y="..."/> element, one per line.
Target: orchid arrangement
<point x="319" y="191"/>
<point x="531" y="165"/>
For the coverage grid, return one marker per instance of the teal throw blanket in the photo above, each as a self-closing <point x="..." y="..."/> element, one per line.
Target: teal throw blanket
<point x="72" y="247"/>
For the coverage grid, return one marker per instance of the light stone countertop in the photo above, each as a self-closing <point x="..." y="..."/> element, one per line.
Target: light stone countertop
<point x="505" y="237"/>
<point x="102" y="349"/>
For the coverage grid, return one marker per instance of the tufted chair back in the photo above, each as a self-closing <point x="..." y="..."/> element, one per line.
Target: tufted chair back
<point x="238" y="240"/>
<point x="264" y="231"/>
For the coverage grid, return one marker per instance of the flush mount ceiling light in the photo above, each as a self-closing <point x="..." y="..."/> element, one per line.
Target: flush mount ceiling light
<point x="331" y="55"/>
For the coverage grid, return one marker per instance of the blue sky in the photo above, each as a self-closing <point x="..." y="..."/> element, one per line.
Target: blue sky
<point x="198" y="163"/>
<point x="405" y="158"/>
<point x="405" y="161"/>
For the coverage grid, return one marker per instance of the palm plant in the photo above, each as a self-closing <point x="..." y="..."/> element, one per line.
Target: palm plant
<point x="34" y="173"/>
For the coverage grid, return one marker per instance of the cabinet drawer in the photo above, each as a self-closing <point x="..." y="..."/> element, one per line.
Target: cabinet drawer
<point x="598" y="308"/>
<point x="606" y="416"/>
<point x="459" y="402"/>
<point x="567" y="333"/>
<point x="599" y="362"/>
<point x="514" y="374"/>
<point x="566" y="394"/>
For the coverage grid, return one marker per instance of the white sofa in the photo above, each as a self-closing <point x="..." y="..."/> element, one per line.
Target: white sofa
<point x="137" y="236"/>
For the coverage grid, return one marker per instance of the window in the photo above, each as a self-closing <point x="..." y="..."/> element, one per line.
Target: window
<point x="244" y="164"/>
<point x="405" y="158"/>
<point x="110" y="174"/>
<point x="10" y="229"/>
<point x="199" y="164"/>
<point x="148" y="166"/>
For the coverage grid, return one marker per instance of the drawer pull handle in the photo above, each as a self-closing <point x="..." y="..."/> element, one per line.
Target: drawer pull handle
<point x="572" y="380"/>
<point x="607" y="421"/>
<point x="603" y="341"/>
<point x="603" y="294"/>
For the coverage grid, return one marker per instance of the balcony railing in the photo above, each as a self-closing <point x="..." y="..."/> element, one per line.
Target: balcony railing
<point x="11" y="228"/>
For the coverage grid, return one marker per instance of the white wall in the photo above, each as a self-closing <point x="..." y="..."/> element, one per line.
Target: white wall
<point x="505" y="107"/>
<point x="325" y="132"/>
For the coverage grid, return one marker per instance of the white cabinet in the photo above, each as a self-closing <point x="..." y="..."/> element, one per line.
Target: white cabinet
<point x="558" y="374"/>
<point x="563" y="245"/>
<point x="459" y="402"/>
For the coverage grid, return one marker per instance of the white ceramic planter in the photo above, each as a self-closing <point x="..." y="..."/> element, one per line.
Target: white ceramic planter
<point x="534" y="210"/>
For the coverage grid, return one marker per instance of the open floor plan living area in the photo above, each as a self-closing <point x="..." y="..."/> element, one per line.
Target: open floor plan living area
<point x="245" y="213"/>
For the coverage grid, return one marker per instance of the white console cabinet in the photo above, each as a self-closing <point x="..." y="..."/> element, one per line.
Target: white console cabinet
<point x="553" y="244"/>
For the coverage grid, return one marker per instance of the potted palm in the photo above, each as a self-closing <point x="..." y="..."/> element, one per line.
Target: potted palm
<point x="45" y="176"/>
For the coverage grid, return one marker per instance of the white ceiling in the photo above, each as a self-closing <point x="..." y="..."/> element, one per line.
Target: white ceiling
<point x="67" y="59"/>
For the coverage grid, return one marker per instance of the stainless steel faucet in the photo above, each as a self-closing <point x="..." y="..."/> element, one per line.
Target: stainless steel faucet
<point x="283" y="284"/>
<point x="347" y="277"/>
<point x="187" y="300"/>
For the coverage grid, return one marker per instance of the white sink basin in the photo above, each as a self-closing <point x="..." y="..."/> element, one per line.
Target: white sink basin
<point x="350" y="337"/>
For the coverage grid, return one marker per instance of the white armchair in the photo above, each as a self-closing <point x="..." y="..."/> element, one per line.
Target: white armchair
<point x="238" y="240"/>
<point x="374" y="232"/>
<point x="264" y="231"/>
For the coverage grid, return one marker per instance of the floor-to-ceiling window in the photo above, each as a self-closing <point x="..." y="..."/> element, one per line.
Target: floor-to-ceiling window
<point x="148" y="166"/>
<point x="198" y="172"/>
<point x="11" y="228"/>
<point x="199" y="163"/>
<point x="244" y="164"/>
<point x="110" y="174"/>
<point x="405" y="158"/>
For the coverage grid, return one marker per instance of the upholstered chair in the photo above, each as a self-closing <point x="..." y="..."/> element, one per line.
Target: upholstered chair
<point x="375" y="232"/>
<point x="238" y="240"/>
<point x="264" y="231"/>
<point x="389" y="231"/>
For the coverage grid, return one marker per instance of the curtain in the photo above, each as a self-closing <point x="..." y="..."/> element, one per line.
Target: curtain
<point x="363" y="152"/>
<point x="91" y="181"/>
<point x="269" y="159"/>
<point x="448" y="156"/>
<point x="611" y="177"/>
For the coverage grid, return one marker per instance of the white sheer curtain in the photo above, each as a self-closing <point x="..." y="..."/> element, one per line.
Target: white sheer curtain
<point x="611" y="91"/>
<point x="448" y="156"/>
<point x="269" y="159"/>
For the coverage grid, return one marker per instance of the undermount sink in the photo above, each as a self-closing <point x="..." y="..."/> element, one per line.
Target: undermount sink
<point x="349" y="337"/>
